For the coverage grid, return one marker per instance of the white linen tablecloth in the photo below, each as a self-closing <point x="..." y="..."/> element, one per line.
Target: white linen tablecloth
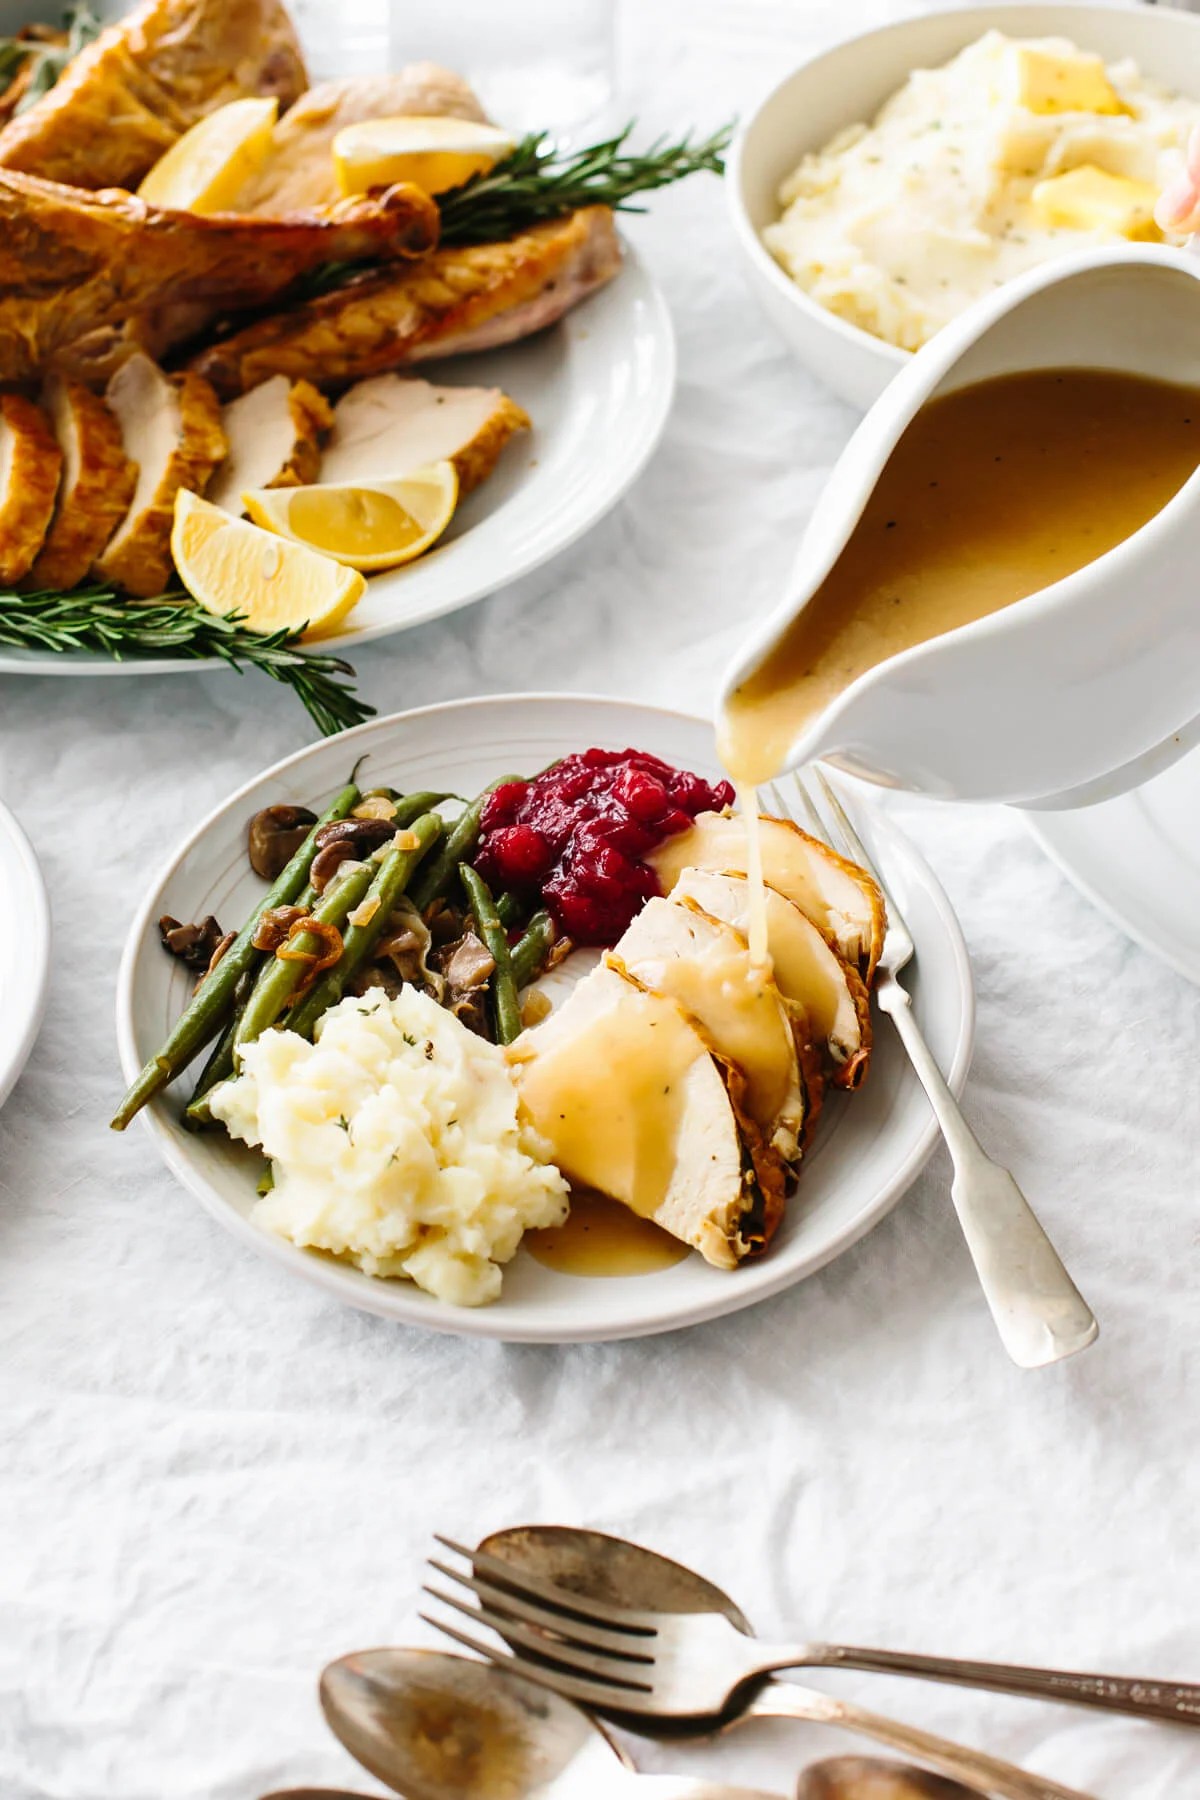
<point x="213" y="1479"/>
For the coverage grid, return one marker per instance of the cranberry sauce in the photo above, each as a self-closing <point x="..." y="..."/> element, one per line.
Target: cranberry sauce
<point x="576" y="835"/>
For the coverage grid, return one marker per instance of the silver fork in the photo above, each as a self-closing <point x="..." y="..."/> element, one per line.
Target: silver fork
<point x="658" y="1667"/>
<point x="1039" y="1312"/>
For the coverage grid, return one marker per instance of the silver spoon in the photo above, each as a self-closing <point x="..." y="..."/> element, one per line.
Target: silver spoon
<point x="437" y="1727"/>
<point x="871" y="1778"/>
<point x="621" y="1574"/>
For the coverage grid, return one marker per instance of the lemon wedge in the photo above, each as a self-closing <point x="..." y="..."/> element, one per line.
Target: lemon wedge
<point x="434" y="153"/>
<point x="375" y="525"/>
<point x="230" y="566"/>
<point x="204" y="170"/>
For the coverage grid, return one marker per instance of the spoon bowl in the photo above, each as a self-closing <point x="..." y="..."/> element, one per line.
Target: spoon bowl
<point x="436" y="1727"/>
<point x="874" y="1778"/>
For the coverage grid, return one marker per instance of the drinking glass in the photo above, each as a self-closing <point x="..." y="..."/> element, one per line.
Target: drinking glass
<point x="535" y="64"/>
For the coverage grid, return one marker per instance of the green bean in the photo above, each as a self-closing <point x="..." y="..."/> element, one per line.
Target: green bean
<point x="218" y="1068"/>
<point x="510" y="909"/>
<point x="410" y="807"/>
<point x="394" y="874"/>
<point x="436" y="877"/>
<point x="506" y="1008"/>
<point x="281" y="976"/>
<point x="213" y="999"/>
<point x="531" y="949"/>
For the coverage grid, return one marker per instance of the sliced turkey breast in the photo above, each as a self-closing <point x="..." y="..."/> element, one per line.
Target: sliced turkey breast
<point x="30" y="464"/>
<point x="390" y="425"/>
<point x="275" y="434"/>
<point x="704" y="963"/>
<point x="96" y="488"/>
<point x="633" y="1103"/>
<point x="299" y="173"/>
<point x="840" y="898"/>
<point x="811" y="975"/>
<point x="171" y="426"/>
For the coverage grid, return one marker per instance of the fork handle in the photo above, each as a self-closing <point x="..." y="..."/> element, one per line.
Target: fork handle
<point x="975" y="1767"/>
<point x="1176" y="1702"/>
<point x="1039" y="1312"/>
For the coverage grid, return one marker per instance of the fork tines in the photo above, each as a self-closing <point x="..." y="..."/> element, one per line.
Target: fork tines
<point x="591" y="1652"/>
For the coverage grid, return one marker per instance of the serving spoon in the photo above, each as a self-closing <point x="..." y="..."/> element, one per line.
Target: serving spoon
<point x="836" y="1778"/>
<point x="613" y="1572"/>
<point x="616" y="1573"/>
<point x="437" y="1727"/>
<point x="871" y="1778"/>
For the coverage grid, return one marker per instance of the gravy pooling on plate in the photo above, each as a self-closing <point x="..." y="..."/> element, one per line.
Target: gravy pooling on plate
<point x="993" y="493"/>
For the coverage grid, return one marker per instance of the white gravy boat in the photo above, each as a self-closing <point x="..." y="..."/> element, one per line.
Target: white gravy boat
<point x="1086" y="688"/>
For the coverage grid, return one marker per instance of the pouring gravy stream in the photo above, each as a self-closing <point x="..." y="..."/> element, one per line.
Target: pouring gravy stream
<point x="992" y="494"/>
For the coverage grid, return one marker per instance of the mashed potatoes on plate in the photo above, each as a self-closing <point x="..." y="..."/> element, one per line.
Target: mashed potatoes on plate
<point x="394" y="1142"/>
<point x="1015" y="152"/>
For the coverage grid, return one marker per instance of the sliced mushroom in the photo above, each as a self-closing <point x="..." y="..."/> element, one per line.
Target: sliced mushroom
<point x="467" y="965"/>
<point x="273" y="837"/>
<point x="194" y="945"/>
<point x="343" y="839"/>
<point x="275" y="925"/>
<point x="405" y="944"/>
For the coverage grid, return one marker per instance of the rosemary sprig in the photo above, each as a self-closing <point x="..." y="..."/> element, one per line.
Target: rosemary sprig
<point x="540" y="182"/>
<point x="45" y="61"/>
<point x="94" y="618"/>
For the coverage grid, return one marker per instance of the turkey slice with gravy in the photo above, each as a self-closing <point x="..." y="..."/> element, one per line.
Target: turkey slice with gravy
<point x="840" y="898"/>
<point x="632" y="1101"/>
<point x="811" y="975"/>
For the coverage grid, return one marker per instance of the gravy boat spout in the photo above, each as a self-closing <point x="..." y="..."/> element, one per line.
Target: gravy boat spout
<point x="1085" y="688"/>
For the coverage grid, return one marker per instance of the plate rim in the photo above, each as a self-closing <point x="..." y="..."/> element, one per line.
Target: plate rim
<point x="65" y="665"/>
<point x="489" y="1322"/>
<point x="39" y="928"/>
<point x="1041" y="828"/>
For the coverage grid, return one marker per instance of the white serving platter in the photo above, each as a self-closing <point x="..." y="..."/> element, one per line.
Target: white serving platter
<point x="598" y="387"/>
<point x="1137" y="858"/>
<point x="24" y="949"/>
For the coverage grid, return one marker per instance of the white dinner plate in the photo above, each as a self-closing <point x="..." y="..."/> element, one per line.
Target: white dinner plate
<point x="868" y="1146"/>
<point x="24" y="949"/>
<point x="598" y="387"/>
<point x="1137" y="858"/>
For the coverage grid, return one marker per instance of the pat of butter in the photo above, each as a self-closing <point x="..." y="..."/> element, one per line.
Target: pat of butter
<point x="1046" y="83"/>
<point x="1090" y="199"/>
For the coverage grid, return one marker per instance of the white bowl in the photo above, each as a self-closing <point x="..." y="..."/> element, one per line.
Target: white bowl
<point x="851" y="83"/>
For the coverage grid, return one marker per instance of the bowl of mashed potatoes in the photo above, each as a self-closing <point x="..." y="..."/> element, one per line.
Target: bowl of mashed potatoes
<point x="886" y="186"/>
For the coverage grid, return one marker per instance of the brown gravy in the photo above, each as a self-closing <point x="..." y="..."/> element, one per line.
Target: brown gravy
<point x="602" y="1237"/>
<point x="993" y="493"/>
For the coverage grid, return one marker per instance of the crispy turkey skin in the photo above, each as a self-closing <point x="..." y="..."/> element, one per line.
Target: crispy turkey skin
<point x="86" y="279"/>
<point x="456" y="300"/>
<point x="127" y="97"/>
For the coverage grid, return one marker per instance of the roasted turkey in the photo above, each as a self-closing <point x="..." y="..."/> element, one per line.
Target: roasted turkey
<point x="453" y="301"/>
<point x="126" y="98"/>
<point x="86" y="278"/>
